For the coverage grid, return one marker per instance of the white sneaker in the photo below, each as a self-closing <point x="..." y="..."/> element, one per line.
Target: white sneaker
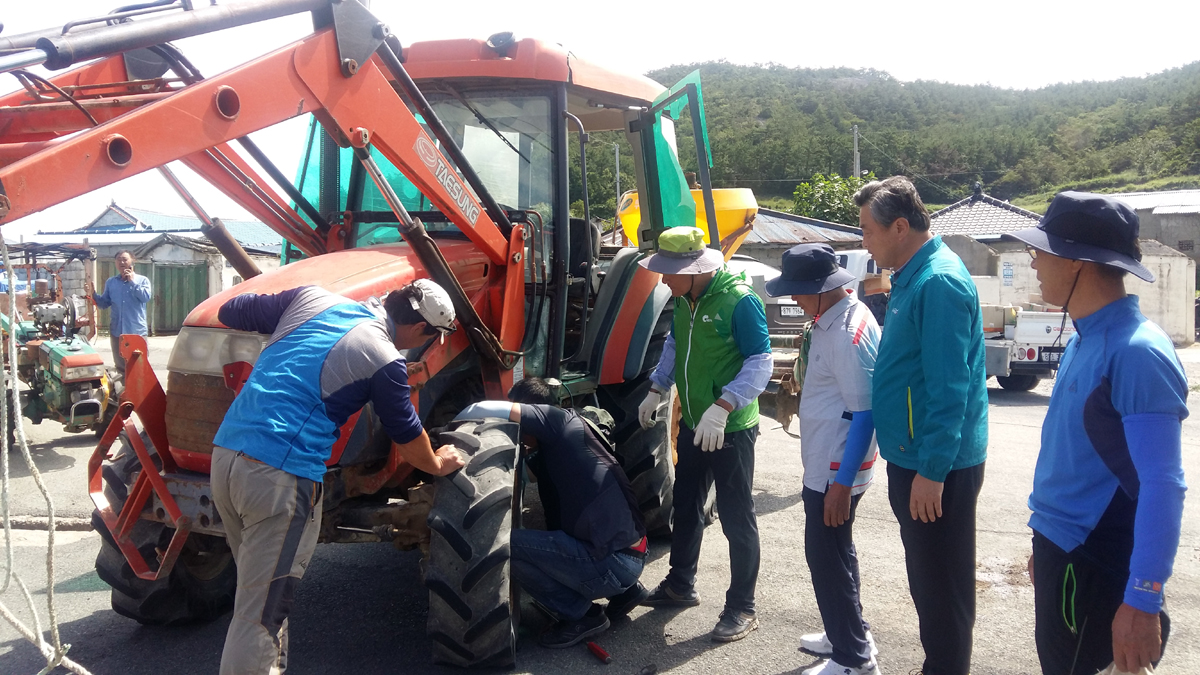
<point x="831" y="667"/>
<point x="818" y="644"/>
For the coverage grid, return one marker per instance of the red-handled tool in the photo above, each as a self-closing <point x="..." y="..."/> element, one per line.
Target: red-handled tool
<point x="599" y="652"/>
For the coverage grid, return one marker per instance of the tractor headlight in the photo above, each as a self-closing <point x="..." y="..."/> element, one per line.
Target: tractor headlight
<point x="205" y="351"/>
<point x="82" y="373"/>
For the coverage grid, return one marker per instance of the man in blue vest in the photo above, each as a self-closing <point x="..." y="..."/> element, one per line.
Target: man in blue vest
<point x="1108" y="489"/>
<point x="327" y="357"/>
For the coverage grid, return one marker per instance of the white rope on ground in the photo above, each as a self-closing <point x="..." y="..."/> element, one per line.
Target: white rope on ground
<point x="55" y="652"/>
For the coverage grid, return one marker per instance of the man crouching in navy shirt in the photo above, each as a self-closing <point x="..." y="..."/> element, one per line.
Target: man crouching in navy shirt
<point x="598" y="545"/>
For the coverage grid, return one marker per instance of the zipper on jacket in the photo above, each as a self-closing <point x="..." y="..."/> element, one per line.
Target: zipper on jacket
<point x="687" y="357"/>
<point x="910" y="421"/>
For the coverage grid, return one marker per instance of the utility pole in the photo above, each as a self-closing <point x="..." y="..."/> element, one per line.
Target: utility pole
<point x="617" y="163"/>
<point x="617" y="214"/>
<point x="857" y="168"/>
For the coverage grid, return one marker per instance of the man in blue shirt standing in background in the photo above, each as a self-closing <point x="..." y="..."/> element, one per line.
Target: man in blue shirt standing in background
<point x="929" y="400"/>
<point x="1108" y="489"/>
<point x="126" y="294"/>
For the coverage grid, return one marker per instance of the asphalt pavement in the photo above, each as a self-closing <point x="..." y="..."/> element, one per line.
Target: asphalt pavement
<point x="361" y="608"/>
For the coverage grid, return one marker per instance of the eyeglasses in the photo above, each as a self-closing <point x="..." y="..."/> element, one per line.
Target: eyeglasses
<point x="1033" y="252"/>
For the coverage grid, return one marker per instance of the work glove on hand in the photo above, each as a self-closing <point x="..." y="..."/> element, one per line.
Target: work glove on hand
<point x="647" y="408"/>
<point x="710" y="432"/>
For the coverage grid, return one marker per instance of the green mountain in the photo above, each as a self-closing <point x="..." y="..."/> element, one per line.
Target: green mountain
<point x="772" y="127"/>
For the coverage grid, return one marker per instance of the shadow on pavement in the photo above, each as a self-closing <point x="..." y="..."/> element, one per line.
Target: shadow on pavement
<point x="766" y="503"/>
<point x="46" y="456"/>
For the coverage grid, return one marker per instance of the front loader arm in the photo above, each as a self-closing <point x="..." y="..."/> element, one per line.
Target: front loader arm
<point x="301" y="78"/>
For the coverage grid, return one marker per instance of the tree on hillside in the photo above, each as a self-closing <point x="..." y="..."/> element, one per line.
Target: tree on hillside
<point x="829" y="198"/>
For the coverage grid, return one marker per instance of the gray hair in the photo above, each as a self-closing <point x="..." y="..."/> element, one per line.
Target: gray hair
<point x="892" y="198"/>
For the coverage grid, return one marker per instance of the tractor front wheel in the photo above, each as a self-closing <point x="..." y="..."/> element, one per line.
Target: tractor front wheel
<point x="473" y="605"/>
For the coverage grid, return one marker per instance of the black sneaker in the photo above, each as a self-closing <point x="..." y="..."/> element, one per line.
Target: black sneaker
<point x="663" y="596"/>
<point x="734" y="626"/>
<point x="620" y="605"/>
<point x="570" y="633"/>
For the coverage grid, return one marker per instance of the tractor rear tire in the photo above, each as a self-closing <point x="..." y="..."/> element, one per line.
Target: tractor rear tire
<point x="473" y="606"/>
<point x="645" y="456"/>
<point x="1018" y="382"/>
<point x="201" y="585"/>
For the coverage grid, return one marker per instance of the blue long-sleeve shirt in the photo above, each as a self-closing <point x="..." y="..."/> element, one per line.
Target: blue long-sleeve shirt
<point x="127" y="300"/>
<point x="1114" y="423"/>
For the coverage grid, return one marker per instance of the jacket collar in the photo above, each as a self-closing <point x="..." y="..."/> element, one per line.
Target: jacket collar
<point x="1112" y="313"/>
<point x="908" y="270"/>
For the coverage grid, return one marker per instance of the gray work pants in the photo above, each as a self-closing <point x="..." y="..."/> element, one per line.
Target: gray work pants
<point x="272" y="519"/>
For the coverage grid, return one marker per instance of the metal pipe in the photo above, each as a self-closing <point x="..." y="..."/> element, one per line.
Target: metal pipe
<point x="25" y="59"/>
<point x="710" y="209"/>
<point x="392" y="61"/>
<point x="214" y="229"/>
<point x="587" y="217"/>
<point x="562" y="239"/>
<point x="28" y="40"/>
<point x="230" y="248"/>
<point x="277" y="176"/>
<point x="66" y="50"/>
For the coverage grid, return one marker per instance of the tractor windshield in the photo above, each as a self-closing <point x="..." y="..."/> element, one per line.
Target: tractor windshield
<point x="506" y="136"/>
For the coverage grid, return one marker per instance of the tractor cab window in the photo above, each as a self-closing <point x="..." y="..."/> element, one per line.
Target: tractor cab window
<point x="506" y="137"/>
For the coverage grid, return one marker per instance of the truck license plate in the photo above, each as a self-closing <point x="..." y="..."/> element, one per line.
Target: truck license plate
<point x="790" y="310"/>
<point x="1050" y="354"/>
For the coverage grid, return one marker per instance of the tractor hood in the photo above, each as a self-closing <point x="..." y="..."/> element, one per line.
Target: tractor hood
<point x="355" y="273"/>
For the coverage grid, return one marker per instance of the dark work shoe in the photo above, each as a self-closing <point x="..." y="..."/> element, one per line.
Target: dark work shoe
<point x="570" y="633"/>
<point x="620" y="605"/>
<point x="734" y="626"/>
<point x="663" y="596"/>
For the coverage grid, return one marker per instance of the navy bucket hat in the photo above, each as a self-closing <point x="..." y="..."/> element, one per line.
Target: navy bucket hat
<point x="809" y="269"/>
<point x="1089" y="227"/>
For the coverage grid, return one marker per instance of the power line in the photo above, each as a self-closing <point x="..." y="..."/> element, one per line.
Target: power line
<point x="905" y="168"/>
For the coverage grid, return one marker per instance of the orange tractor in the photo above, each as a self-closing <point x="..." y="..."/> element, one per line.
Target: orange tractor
<point x="447" y="160"/>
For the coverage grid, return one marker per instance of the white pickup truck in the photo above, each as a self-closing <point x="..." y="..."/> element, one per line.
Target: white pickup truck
<point x="1028" y="349"/>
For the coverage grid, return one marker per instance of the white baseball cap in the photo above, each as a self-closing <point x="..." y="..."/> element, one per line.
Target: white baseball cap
<point x="433" y="303"/>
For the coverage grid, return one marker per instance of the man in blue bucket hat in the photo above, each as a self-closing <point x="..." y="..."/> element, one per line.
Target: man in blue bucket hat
<point x="1108" y="489"/>
<point x="718" y="355"/>
<point x="837" y="443"/>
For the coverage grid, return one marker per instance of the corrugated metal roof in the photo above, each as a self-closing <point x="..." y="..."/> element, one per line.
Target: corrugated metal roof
<point x="981" y="216"/>
<point x="1141" y="201"/>
<point x="789" y="229"/>
<point x="125" y="223"/>
<point x="1175" y="210"/>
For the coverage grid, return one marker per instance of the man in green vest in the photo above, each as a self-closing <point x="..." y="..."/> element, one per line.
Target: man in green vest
<point x="718" y="354"/>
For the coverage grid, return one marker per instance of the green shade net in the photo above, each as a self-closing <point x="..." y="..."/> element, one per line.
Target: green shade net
<point x="678" y="207"/>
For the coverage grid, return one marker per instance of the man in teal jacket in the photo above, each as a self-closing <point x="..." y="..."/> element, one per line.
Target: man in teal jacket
<point x="929" y="395"/>
<point x="718" y="355"/>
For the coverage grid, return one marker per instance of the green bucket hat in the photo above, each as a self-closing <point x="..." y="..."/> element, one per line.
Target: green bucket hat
<point x="681" y="250"/>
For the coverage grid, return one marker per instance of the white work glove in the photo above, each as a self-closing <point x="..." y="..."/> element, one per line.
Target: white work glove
<point x="647" y="408"/>
<point x="710" y="432"/>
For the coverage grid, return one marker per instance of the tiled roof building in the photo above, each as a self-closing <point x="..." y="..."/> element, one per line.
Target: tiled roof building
<point x="982" y="217"/>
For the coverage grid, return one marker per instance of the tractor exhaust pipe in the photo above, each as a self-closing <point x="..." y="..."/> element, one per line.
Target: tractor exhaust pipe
<point x="230" y="248"/>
